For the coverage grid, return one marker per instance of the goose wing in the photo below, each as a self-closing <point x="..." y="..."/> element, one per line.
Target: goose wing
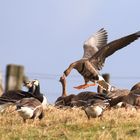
<point x="99" y="58"/>
<point x="94" y="43"/>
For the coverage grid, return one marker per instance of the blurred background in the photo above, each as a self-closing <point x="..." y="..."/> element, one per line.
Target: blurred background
<point x="46" y="36"/>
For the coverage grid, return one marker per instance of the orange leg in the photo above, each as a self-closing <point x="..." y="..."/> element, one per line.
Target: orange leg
<point x="85" y="86"/>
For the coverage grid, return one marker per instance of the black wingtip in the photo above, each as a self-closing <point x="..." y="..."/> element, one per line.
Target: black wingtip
<point x="138" y="33"/>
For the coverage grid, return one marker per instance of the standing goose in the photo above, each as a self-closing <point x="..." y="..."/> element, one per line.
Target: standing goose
<point x="29" y="108"/>
<point x="35" y="90"/>
<point x="96" y="50"/>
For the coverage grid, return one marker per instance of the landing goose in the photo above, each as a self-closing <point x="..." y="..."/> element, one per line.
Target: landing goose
<point x="96" y="50"/>
<point x="29" y="108"/>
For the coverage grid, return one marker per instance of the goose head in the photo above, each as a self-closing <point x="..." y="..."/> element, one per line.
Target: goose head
<point x="34" y="88"/>
<point x="62" y="80"/>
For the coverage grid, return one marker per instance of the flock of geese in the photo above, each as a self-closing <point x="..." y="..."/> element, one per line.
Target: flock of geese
<point x="31" y="104"/>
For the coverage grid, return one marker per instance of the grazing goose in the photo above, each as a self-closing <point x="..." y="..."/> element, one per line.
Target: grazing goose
<point x="97" y="109"/>
<point x="29" y="108"/>
<point x="96" y="50"/>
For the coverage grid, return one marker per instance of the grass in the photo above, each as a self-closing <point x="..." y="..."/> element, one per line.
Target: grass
<point x="71" y="124"/>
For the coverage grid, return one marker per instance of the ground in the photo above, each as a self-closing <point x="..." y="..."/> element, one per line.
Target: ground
<point x="72" y="124"/>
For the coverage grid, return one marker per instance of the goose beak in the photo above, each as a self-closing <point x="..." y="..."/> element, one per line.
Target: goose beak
<point x="27" y="84"/>
<point x="62" y="78"/>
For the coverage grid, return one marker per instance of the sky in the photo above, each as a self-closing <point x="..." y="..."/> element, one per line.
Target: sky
<point x="45" y="36"/>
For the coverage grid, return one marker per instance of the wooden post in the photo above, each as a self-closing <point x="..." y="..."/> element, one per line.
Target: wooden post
<point x="14" y="77"/>
<point x="106" y="77"/>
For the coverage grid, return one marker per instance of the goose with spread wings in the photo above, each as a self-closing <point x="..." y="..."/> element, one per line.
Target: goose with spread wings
<point x="96" y="50"/>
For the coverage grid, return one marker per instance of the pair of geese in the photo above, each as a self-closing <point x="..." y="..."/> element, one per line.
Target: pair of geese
<point x="29" y="104"/>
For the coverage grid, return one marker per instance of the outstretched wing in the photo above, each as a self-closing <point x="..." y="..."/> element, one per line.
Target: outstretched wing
<point x="94" y="43"/>
<point x="112" y="47"/>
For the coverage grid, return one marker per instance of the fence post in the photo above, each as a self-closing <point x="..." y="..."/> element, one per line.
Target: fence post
<point x="106" y="76"/>
<point x="1" y="84"/>
<point x="14" y="77"/>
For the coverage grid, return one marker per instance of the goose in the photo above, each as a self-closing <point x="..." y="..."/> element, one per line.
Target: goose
<point x="11" y="97"/>
<point x="35" y="90"/>
<point x="29" y="108"/>
<point x="19" y="94"/>
<point x="80" y="99"/>
<point x="64" y="99"/>
<point x="133" y="98"/>
<point x="96" y="50"/>
<point x="97" y="109"/>
<point x="125" y="96"/>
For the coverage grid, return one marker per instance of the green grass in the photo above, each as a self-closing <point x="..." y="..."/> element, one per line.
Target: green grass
<point x="72" y="124"/>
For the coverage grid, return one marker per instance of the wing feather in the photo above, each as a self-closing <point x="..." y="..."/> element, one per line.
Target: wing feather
<point x="94" y="43"/>
<point x="112" y="47"/>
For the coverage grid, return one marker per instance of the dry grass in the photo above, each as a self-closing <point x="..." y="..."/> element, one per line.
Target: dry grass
<point x="72" y="124"/>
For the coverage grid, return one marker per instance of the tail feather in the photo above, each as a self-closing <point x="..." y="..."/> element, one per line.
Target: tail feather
<point x="4" y="103"/>
<point x="4" y="106"/>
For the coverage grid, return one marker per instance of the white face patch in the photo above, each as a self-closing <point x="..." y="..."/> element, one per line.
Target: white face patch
<point x="36" y="82"/>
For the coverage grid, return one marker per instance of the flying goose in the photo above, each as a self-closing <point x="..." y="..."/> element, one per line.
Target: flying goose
<point x="29" y="108"/>
<point x="96" y="50"/>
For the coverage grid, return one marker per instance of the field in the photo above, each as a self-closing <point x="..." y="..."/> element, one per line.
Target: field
<point x="71" y="124"/>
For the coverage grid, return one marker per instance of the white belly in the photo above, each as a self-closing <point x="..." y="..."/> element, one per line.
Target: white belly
<point x="26" y="112"/>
